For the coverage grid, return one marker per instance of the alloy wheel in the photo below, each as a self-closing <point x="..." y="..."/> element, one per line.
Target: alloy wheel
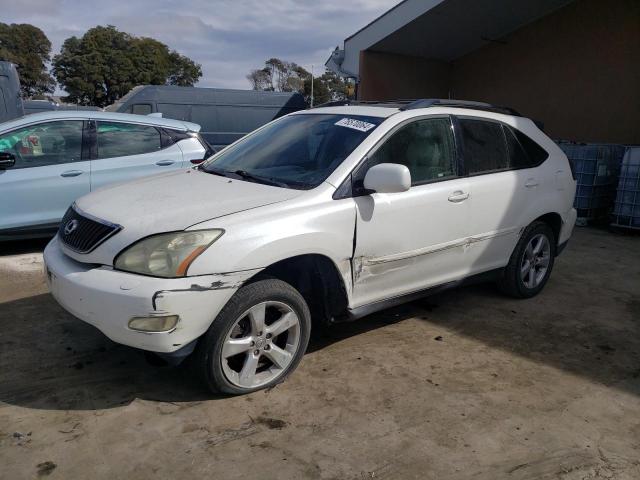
<point x="261" y="344"/>
<point x="535" y="261"/>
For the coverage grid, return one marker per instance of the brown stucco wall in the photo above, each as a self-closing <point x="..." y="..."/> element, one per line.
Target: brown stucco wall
<point x="387" y="76"/>
<point x="577" y="70"/>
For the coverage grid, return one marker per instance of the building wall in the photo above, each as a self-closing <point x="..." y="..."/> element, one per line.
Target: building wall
<point x="577" y="70"/>
<point x="387" y="76"/>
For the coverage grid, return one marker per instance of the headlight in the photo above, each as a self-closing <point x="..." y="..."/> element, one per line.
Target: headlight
<point x="166" y="255"/>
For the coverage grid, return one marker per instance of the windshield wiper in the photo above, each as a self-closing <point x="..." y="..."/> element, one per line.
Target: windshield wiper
<point x="214" y="171"/>
<point x="243" y="174"/>
<point x="256" y="178"/>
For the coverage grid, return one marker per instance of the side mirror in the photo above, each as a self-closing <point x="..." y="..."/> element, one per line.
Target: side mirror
<point x="388" y="178"/>
<point x="7" y="160"/>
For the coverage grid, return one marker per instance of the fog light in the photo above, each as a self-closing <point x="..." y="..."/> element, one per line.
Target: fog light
<point x="154" y="324"/>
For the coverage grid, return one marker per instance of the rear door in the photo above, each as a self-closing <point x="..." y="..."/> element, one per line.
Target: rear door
<point x="50" y="172"/>
<point x="125" y="151"/>
<point x="500" y="191"/>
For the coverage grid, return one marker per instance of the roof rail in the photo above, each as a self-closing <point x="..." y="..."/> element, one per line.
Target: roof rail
<point x="366" y="103"/>
<point x="412" y="104"/>
<point x="441" y="102"/>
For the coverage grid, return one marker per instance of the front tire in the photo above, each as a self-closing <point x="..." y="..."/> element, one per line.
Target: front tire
<point x="531" y="262"/>
<point x="256" y="341"/>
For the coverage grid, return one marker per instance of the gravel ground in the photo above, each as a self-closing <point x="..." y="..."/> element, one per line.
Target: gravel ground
<point x="464" y="385"/>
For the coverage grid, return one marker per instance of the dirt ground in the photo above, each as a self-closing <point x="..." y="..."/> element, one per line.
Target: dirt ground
<point x="465" y="385"/>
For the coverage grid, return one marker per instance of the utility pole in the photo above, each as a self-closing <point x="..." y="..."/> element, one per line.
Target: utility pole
<point x="312" y="86"/>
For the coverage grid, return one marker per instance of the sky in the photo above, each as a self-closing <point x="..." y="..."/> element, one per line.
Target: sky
<point x="227" y="37"/>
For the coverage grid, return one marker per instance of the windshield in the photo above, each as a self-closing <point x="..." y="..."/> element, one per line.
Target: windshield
<point x="298" y="151"/>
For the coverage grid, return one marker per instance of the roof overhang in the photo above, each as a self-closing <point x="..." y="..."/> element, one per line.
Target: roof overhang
<point x="439" y="29"/>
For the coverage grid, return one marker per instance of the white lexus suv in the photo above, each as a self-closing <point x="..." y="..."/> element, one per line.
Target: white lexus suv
<point x="321" y="216"/>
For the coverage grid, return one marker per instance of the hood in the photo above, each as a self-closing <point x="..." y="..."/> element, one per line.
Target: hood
<point x="170" y="202"/>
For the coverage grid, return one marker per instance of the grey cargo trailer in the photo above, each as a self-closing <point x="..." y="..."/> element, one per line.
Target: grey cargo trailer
<point x="225" y="115"/>
<point x="10" y="100"/>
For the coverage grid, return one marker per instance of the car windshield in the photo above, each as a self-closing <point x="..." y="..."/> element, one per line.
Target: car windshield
<point x="298" y="151"/>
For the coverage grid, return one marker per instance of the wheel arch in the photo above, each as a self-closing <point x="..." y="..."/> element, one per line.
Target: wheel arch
<point x="318" y="279"/>
<point x="554" y="220"/>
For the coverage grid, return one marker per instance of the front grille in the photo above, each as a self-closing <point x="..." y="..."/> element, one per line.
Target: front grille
<point x="81" y="233"/>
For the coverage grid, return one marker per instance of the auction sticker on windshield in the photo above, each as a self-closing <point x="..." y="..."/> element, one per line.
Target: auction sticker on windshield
<point x="355" y="124"/>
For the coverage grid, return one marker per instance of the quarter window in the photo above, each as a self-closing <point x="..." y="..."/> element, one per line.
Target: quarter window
<point x="117" y="139"/>
<point x="43" y="144"/>
<point x="425" y="147"/>
<point x="485" y="149"/>
<point x="535" y="152"/>
<point x="518" y="158"/>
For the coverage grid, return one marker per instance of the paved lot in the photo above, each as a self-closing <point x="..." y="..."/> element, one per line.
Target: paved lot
<point x="465" y="385"/>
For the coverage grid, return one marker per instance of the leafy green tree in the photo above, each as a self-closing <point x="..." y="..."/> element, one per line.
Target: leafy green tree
<point x="103" y="65"/>
<point x="30" y="49"/>
<point x="281" y="76"/>
<point x="183" y="71"/>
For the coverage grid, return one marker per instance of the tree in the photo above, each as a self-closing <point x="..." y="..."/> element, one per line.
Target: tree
<point x="183" y="71"/>
<point x="103" y="65"/>
<point x="282" y="76"/>
<point x="30" y="49"/>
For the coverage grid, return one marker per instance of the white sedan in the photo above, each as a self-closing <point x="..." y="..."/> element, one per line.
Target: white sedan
<point x="47" y="160"/>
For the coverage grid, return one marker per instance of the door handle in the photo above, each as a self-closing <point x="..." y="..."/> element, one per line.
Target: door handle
<point x="71" y="173"/>
<point x="165" y="163"/>
<point x="531" y="183"/>
<point x="458" y="196"/>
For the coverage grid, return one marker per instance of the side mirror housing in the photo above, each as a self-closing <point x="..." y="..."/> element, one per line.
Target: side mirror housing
<point x="7" y="160"/>
<point x="388" y="178"/>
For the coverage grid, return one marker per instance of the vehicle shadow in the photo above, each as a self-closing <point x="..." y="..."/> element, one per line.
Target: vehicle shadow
<point x="50" y="360"/>
<point x="17" y="247"/>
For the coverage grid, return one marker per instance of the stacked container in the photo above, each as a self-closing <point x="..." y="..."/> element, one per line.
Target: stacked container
<point x="596" y="167"/>
<point x="626" y="212"/>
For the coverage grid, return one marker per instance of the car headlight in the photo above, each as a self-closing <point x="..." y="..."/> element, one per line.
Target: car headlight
<point x="166" y="255"/>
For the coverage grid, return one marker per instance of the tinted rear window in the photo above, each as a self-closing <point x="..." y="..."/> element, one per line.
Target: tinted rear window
<point x="485" y="149"/>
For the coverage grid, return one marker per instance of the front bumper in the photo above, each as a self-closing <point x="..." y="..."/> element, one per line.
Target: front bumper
<point x="108" y="299"/>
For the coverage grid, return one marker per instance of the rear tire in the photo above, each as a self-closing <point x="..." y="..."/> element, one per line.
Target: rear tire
<point x="256" y="341"/>
<point x="531" y="262"/>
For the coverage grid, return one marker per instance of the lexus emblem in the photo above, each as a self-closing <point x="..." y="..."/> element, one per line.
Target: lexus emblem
<point x="70" y="227"/>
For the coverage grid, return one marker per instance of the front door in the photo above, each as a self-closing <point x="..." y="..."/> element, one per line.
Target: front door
<point x="413" y="240"/>
<point x="48" y="175"/>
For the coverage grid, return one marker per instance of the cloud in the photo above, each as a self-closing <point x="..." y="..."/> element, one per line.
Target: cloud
<point x="228" y="37"/>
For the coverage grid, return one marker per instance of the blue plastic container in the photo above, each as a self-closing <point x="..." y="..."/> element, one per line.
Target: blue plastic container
<point x="596" y="167"/>
<point x="626" y="212"/>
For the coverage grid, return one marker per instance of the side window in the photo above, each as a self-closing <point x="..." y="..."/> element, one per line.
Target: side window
<point x="49" y="143"/>
<point x="141" y="109"/>
<point x="426" y="147"/>
<point x="485" y="149"/>
<point x="117" y="139"/>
